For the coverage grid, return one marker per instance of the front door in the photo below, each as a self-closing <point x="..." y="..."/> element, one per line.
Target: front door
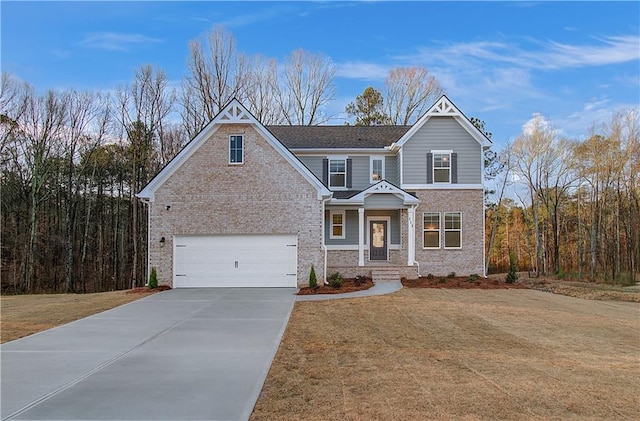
<point x="378" y="240"/>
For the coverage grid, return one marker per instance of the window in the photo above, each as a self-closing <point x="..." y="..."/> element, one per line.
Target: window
<point x="337" y="173"/>
<point x="377" y="169"/>
<point x="236" y="149"/>
<point x="452" y="230"/>
<point x="431" y="228"/>
<point x="441" y="167"/>
<point x="337" y="225"/>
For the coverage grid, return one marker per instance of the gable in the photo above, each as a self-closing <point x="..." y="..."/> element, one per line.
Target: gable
<point x="445" y="108"/>
<point x="233" y="118"/>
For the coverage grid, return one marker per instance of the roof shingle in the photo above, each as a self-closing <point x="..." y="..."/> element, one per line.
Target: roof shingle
<point x="337" y="137"/>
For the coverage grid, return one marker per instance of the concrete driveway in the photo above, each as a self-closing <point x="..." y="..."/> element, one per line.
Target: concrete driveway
<point x="186" y="354"/>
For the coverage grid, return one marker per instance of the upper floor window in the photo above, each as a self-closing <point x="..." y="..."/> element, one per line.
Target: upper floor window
<point x="337" y="172"/>
<point x="441" y="167"/>
<point x="377" y="169"/>
<point x="236" y="149"/>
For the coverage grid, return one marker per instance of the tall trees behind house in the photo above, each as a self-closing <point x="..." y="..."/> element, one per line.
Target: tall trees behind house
<point x="72" y="163"/>
<point x="579" y="210"/>
<point x="294" y="92"/>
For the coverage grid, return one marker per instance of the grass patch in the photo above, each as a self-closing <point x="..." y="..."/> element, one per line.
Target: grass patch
<point x="437" y="354"/>
<point x="24" y="315"/>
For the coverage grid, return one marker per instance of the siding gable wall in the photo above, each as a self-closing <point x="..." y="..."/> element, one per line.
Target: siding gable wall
<point x="442" y="133"/>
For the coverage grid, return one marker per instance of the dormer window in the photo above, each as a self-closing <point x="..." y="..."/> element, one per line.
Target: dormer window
<point x="236" y="149"/>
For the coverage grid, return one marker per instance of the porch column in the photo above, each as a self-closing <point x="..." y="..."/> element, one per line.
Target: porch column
<point x="411" y="235"/>
<point x="360" y="236"/>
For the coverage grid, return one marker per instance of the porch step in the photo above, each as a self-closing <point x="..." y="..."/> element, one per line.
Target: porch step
<point x="385" y="275"/>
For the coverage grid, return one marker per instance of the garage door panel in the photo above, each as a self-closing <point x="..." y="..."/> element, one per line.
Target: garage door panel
<point x="235" y="261"/>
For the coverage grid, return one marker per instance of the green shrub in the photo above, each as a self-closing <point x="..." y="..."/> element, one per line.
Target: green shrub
<point x="335" y="280"/>
<point x="153" y="279"/>
<point x="442" y="280"/>
<point x="313" y="281"/>
<point x="452" y="275"/>
<point x="473" y="277"/>
<point x="430" y="276"/>
<point x="512" y="275"/>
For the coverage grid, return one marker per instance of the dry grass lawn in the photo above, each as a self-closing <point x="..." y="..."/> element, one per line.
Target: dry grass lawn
<point x="440" y="354"/>
<point x="22" y="315"/>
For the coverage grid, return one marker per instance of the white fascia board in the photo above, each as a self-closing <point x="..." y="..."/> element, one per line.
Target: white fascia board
<point x="442" y="186"/>
<point x="148" y="192"/>
<point x="323" y="191"/>
<point x="233" y="113"/>
<point x="341" y="151"/>
<point x="384" y="187"/>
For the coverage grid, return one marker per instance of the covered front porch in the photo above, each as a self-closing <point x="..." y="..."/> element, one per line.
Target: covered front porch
<point x="373" y="228"/>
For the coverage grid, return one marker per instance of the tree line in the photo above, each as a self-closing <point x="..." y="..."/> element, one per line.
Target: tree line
<point x="575" y="207"/>
<point x="73" y="161"/>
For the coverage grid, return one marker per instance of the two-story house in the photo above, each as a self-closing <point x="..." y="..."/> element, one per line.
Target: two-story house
<point x="247" y="205"/>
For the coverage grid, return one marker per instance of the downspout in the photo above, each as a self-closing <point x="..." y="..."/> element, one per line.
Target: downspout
<point x="146" y="202"/>
<point x="415" y="262"/>
<point x="324" y="247"/>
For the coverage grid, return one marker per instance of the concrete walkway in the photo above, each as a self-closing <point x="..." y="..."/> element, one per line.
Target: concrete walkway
<point x="186" y="354"/>
<point x="380" y="288"/>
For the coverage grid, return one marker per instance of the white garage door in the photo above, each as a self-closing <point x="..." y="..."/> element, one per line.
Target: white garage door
<point x="235" y="261"/>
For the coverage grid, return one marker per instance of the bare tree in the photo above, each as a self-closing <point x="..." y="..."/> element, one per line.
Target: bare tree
<point x="262" y="91"/>
<point x="86" y="126"/>
<point x="143" y="109"/>
<point x="409" y="92"/>
<point x="217" y="74"/>
<point x="306" y="88"/>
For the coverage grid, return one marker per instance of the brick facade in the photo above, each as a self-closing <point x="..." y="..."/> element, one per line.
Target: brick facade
<point x="209" y="196"/>
<point x="470" y="258"/>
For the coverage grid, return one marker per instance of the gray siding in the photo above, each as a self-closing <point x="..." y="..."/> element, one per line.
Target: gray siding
<point x="360" y="172"/>
<point x="391" y="172"/>
<point x="314" y="163"/>
<point x="383" y="201"/>
<point x="442" y="133"/>
<point x="351" y="229"/>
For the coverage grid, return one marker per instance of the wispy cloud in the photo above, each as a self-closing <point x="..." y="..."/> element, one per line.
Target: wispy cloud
<point x="116" y="41"/>
<point x="362" y="70"/>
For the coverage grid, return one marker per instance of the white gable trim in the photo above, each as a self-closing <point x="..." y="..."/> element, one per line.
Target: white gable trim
<point x="444" y="107"/>
<point x="233" y="113"/>
<point x="381" y="187"/>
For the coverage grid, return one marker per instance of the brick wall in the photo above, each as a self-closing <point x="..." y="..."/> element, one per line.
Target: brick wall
<point x="265" y="195"/>
<point x="463" y="261"/>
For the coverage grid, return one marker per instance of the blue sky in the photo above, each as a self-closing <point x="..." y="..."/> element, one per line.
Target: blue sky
<point x="573" y="62"/>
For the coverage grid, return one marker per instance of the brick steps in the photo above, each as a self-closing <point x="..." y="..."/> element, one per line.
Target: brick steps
<point x="385" y="275"/>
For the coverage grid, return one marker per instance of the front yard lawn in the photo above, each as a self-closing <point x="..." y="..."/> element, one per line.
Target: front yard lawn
<point x="445" y="354"/>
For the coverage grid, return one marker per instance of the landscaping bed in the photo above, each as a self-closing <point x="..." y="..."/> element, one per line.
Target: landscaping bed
<point x="348" y="285"/>
<point x="460" y="282"/>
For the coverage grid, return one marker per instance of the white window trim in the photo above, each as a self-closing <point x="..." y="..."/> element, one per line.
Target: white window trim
<point x="439" y="232"/>
<point x="433" y="165"/>
<point x="344" y="224"/>
<point x="374" y="158"/>
<point x="243" y="147"/>
<point x="444" y="230"/>
<point x="337" y="158"/>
